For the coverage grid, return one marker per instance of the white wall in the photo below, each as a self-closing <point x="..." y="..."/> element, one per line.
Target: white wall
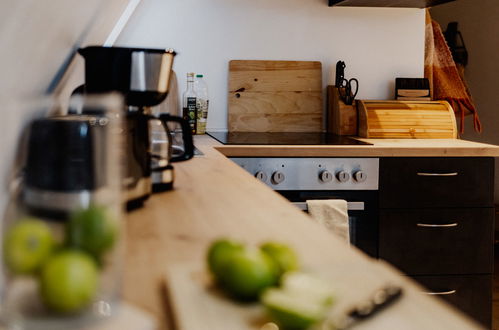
<point x="378" y="44"/>
<point x="479" y="26"/>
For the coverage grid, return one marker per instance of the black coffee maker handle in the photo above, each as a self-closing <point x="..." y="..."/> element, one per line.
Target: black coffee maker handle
<point x="186" y="136"/>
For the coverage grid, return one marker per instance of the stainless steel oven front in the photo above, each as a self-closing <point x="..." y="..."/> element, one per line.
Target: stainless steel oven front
<point x="352" y="179"/>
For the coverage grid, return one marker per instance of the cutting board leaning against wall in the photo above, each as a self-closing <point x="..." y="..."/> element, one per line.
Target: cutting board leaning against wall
<point x="275" y="96"/>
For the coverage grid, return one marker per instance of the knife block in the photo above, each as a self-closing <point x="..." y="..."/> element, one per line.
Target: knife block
<point x="341" y="118"/>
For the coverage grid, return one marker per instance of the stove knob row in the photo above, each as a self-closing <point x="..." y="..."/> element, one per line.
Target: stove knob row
<point x="324" y="176"/>
<point x="342" y="176"/>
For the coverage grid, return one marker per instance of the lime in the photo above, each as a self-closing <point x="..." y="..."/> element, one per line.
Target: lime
<point x="283" y="255"/>
<point x="219" y="253"/>
<point x="68" y="281"/>
<point x="27" y="244"/>
<point x="91" y="230"/>
<point x="247" y="273"/>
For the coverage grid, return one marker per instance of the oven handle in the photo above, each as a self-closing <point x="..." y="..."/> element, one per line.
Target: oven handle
<point x="352" y="206"/>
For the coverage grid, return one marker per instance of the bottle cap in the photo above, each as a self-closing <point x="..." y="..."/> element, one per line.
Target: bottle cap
<point x="199" y="76"/>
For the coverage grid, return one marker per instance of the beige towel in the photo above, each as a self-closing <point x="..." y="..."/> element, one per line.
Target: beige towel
<point x="332" y="214"/>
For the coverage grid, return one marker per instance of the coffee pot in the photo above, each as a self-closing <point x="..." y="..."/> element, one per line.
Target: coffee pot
<point x="167" y="147"/>
<point x="143" y="77"/>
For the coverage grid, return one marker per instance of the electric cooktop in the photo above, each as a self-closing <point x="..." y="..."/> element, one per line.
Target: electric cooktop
<point x="283" y="138"/>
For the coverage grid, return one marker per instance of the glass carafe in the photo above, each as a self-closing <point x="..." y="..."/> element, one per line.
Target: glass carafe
<point x="61" y="233"/>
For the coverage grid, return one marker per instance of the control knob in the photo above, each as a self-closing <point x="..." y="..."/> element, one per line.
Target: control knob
<point x="360" y="176"/>
<point x="261" y="176"/>
<point x="325" y="176"/>
<point x="277" y="177"/>
<point x="343" y="176"/>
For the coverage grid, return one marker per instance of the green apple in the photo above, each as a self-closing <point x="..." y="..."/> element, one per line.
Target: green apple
<point x="27" y="245"/>
<point x="92" y="230"/>
<point x="68" y="281"/>
<point x="219" y="253"/>
<point x="302" y="301"/>
<point x="283" y="255"/>
<point x="247" y="273"/>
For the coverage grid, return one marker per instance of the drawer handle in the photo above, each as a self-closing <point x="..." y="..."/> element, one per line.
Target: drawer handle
<point x="434" y="225"/>
<point x="437" y="174"/>
<point x="441" y="293"/>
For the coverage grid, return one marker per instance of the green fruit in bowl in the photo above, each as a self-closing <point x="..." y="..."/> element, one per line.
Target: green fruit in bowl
<point x="247" y="273"/>
<point x="27" y="245"/>
<point x="68" y="281"/>
<point x="92" y="230"/>
<point x="283" y="255"/>
<point x="219" y="253"/>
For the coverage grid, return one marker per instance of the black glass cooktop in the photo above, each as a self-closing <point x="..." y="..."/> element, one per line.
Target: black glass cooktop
<point x="281" y="138"/>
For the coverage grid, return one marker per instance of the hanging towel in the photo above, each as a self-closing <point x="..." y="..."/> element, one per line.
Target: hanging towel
<point x="445" y="81"/>
<point x="332" y="214"/>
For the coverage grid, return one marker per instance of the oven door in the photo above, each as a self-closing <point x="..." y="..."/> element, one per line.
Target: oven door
<point x="362" y="214"/>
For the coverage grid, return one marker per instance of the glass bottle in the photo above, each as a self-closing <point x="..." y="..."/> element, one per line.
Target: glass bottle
<point x="189" y="103"/>
<point x="61" y="233"/>
<point x="202" y="102"/>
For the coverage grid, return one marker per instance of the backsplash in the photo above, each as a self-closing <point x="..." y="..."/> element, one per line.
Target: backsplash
<point x="377" y="44"/>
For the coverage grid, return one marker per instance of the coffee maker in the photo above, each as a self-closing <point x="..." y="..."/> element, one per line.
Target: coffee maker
<point x="142" y="76"/>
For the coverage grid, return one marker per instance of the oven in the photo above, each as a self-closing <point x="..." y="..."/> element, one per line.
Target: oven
<point x="352" y="179"/>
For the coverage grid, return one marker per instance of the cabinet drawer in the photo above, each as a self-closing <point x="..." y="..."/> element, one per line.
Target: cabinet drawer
<point x="436" y="182"/>
<point x="438" y="241"/>
<point x="471" y="294"/>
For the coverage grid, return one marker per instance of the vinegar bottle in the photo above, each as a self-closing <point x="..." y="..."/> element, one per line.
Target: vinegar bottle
<point x="201" y="90"/>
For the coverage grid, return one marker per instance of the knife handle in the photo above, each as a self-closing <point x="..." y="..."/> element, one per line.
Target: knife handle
<point x="381" y="299"/>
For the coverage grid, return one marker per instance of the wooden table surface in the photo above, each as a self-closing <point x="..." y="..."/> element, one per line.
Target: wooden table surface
<point x="215" y="198"/>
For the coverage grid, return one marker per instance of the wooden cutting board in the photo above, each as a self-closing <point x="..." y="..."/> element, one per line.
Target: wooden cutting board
<point x="196" y="303"/>
<point x="275" y="96"/>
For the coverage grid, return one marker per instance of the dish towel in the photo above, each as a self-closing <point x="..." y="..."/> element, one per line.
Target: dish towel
<point x="445" y="81"/>
<point x="332" y="214"/>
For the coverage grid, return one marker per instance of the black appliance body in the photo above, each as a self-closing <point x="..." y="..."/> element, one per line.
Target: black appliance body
<point x="143" y="77"/>
<point x="352" y="179"/>
<point x="65" y="166"/>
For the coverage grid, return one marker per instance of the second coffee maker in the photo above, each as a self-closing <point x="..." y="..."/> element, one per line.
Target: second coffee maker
<point x="143" y="77"/>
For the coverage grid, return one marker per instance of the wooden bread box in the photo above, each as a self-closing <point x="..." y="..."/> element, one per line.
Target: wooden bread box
<point x="406" y="120"/>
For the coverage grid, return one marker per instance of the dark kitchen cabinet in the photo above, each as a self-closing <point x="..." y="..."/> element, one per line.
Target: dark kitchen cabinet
<point x="388" y="3"/>
<point x="436" y="182"/>
<point x="438" y="241"/>
<point x="470" y="293"/>
<point x="436" y="224"/>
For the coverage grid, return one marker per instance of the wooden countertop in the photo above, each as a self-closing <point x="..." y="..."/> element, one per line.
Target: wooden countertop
<point x="213" y="198"/>
<point x="379" y="148"/>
